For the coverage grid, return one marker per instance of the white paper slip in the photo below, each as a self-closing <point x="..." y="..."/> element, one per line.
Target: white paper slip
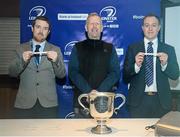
<point x="150" y="54"/>
<point x="40" y="53"/>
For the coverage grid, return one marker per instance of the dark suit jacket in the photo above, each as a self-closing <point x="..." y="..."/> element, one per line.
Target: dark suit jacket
<point x="36" y="82"/>
<point x="137" y="81"/>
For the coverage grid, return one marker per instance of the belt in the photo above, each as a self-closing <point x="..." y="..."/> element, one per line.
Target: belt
<point x="149" y="93"/>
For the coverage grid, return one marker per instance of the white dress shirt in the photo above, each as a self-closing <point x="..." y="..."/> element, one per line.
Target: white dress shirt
<point x="153" y="87"/>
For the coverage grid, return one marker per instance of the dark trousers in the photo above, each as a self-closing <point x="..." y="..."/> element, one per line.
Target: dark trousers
<point x="150" y="107"/>
<point x="37" y="111"/>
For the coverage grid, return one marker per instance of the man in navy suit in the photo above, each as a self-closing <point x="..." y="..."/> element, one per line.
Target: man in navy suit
<point x="153" y="98"/>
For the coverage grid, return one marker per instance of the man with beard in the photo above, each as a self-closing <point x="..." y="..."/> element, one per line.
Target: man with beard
<point x="93" y="65"/>
<point x="37" y="63"/>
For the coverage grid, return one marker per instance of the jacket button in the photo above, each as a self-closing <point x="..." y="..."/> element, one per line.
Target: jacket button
<point x="37" y="84"/>
<point x="37" y="71"/>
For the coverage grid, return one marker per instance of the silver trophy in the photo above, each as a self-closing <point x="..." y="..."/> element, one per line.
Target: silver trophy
<point x="101" y="107"/>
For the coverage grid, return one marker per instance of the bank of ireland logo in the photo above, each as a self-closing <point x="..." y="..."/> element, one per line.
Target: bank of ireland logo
<point x="108" y="14"/>
<point x="37" y="11"/>
<point x="68" y="48"/>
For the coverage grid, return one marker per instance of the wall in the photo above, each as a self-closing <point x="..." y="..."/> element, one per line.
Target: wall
<point x="9" y="8"/>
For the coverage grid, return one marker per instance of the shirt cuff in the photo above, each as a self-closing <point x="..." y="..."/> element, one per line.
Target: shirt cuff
<point x="163" y="67"/>
<point x="137" y="68"/>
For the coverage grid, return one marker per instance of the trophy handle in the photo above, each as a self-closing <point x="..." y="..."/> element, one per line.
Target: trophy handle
<point x="79" y="100"/>
<point x="123" y="101"/>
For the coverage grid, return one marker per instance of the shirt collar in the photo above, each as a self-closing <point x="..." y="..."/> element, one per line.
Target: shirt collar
<point x="155" y="42"/>
<point x="42" y="44"/>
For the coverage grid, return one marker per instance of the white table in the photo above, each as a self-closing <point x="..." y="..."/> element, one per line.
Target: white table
<point x="74" y="127"/>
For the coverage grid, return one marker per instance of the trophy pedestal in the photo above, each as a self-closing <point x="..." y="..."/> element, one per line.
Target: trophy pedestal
<point x="101" y="128"/>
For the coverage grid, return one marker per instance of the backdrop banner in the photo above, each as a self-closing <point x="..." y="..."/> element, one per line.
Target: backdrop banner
<point x="122" y="26"/>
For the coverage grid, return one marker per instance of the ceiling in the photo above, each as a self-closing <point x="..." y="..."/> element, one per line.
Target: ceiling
<point x="10" y="8"/>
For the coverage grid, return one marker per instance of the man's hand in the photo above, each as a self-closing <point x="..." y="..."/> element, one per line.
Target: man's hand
<point x="139" y="58"/>
<point x="52" y="55"/>
<point x="27" y="55"/>
<point x="163" y="57"/>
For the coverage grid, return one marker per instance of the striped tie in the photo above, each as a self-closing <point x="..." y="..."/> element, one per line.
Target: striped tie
<point x="149" y="65"/>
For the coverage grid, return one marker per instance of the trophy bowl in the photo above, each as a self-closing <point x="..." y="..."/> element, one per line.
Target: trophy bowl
<point x="101" y="108"/>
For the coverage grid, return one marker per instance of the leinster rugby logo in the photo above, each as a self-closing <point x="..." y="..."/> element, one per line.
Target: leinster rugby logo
<point x="108" y="14"/>
<point x="68" y="48"/>
<point x="37" y="11"/>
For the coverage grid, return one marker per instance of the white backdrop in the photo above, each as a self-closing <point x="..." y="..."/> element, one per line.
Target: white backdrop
<point x="172" y="35"/>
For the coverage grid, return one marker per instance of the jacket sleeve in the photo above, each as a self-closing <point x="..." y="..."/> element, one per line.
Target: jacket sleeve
<point x="58" y="66"/>
<point x="172" y="70"/>
<point x="17" y="65"/>
<point x="129" y="68"/>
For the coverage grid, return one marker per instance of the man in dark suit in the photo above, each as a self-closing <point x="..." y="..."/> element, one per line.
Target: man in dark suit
<point x="147" y="67"/>
<point x="37" y="63"/>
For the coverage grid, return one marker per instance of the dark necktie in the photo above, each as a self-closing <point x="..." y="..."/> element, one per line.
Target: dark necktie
<point x="37" y="56"/>
<point x="149" y="65"/>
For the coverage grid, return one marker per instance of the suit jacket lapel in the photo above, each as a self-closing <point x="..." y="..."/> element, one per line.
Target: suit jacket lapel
<point x="160" y="49"/>
<point x="44" y="57"/>
<point x="142" y="47"/>
<point x="158" y="63"/>
<point x="28" y="47"/>
<point x="47" y="47"/>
